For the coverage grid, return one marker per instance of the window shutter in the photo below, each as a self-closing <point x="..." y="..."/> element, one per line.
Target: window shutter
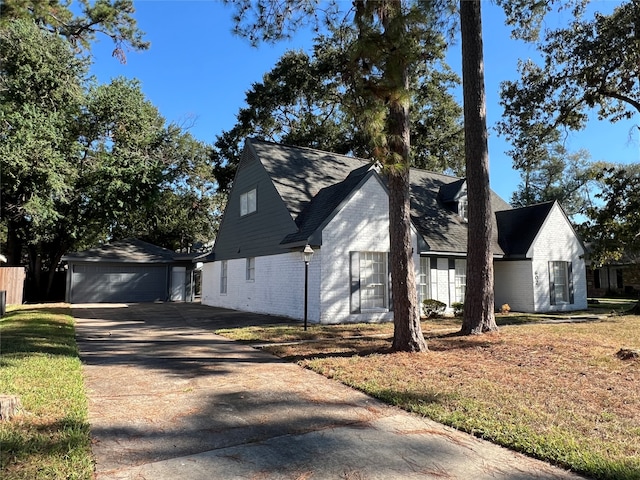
<point x="552" y="286"/>
<point x="355" y="281"/>
<point x="570" y="275"/>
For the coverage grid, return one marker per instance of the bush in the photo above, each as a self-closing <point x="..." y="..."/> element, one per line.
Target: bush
<point x="458" y="308"/>
<point x="433" y="308"/>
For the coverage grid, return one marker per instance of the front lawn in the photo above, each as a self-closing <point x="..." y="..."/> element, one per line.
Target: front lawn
<point x="557" y="392"/>
<point x="49" y="438"/>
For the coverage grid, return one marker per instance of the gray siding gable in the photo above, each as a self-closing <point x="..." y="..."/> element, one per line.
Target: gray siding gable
<point x="258" y="233"/>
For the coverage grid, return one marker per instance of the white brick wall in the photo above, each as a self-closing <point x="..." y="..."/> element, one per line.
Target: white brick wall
<point x="557" y="242"/>
<point x="513" y="284"/>
<point x="278" y="288"/>
<point x="361" y="225"/>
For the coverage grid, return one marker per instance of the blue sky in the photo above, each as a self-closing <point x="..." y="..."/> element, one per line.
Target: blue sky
<point x="197" y="72"/>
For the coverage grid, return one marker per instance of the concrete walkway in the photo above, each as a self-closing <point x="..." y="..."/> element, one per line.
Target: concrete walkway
<point x="169" y="400"/>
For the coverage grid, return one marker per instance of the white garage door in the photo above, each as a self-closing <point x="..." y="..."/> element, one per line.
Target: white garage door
<point x="118" y="283"/>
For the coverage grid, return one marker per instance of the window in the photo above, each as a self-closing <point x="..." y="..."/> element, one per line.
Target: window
<point x="248" y="202"/>
<point x="560" y="282"/>
<point x="251" y="269"/>
<point x="463" y="208"/>
<point x="373" y="280"/>
<point x="596" y="278"/>
<point x="423" y="280"/>
<point x="460" y="280"/>
<point x="619" y="279"/>
<point x="223" y="277"/>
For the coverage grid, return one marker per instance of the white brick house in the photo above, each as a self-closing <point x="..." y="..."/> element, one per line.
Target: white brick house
<point x="284" y="198"/>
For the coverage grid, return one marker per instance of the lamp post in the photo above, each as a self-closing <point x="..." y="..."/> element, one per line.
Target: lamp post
<point x="307" y="253"/>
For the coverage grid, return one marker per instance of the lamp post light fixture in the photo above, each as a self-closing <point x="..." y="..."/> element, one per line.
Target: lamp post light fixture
<point x="307" y="253"/>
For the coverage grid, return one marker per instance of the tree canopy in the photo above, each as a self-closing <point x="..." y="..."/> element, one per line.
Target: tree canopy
<point x="589" y="66"/>
<point x="82" y="162"/>
<point x="112" y="18"/>
<point x="312" y="101"/>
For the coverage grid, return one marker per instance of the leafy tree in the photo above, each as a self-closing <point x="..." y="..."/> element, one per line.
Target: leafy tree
<point x="113" y="18"/>
<point x="313" y="102"/>
<point x="558" y="175"/>
<point x="614" y="227"/>
<point x="40" y="94"/>
<point x="186" y="205"/>
<point x="81" y="163"/>
<point x="589" y="65"/>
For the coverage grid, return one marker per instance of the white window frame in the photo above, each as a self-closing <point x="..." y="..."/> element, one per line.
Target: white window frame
<point x="424" y="281"/>
<point x="223" y="277"/>
<point x="248" y="202"/>
<point x="460" y="280"/>
<point x="463" y="208"/>
<point x="559" y="287"/>
<point x="374" y="282"/>
<point x="251" y="269"/>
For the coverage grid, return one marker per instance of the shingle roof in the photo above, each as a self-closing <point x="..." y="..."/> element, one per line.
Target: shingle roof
<point x="443" y="229"/>
<point x="300" y="173"/>
<point x="325" y="203"/>
<point x="312" y="183"/>
<point x="130" y="250"/>
<point x="518" y="227"/>
<point x="449" y="191"/>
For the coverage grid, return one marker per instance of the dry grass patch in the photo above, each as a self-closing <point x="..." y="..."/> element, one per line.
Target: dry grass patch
<point x="554" y="391"/>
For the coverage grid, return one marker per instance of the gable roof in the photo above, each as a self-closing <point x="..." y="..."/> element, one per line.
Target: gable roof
<point x="299" y="173"/>
<point x="130" y="250"/>
<point x="451" y="192"/>
<point x="443" y="229"/>
<point x="519" y="227"/>
<point x="325" y="203"/>
<point x="313" y="183"/>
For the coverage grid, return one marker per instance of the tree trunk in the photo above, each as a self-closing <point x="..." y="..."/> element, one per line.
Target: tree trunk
<point x="14" y="245"/>
<point x="407" y="333"/>
<point x="479" y="301"/>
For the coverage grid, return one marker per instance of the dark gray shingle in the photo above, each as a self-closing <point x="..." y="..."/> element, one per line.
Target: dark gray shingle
<point x="130" y="250"/>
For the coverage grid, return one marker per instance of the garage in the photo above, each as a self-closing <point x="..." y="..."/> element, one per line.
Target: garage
<point x="128" y="271"/>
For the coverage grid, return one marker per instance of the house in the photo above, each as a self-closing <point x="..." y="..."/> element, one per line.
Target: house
<point x="129" y="271"/>
<point x="618" y="278"/>
<point x="284" y="198"/>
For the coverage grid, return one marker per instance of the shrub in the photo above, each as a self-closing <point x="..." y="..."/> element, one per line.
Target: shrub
<point x="433" y="308"/>
<point x="505" y="308"/>
<point x="458" y="308"/>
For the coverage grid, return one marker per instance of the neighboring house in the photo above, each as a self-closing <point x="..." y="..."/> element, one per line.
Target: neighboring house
<point x="284" y="198"/>
<point x="615" y="278"/>
<point x="129" y="271"/>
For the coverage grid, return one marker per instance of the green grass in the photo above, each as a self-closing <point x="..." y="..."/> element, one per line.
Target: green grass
<point x="556" y="392"/>
<point x="39" y="363"/>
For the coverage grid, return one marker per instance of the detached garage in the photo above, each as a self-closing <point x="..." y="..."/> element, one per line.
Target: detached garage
<point x="129" y="271"/>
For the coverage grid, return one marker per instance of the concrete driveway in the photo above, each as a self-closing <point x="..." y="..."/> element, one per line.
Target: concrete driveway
<point x="169" y="399"/>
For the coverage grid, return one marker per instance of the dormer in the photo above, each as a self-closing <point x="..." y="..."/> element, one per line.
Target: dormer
<point x="454" y="196"/>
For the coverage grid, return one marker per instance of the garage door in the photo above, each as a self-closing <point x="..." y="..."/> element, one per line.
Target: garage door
<point x="124" y="283"/>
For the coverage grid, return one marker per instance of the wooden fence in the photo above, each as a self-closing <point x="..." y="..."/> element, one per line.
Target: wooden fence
<point x="12" y="280"/>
